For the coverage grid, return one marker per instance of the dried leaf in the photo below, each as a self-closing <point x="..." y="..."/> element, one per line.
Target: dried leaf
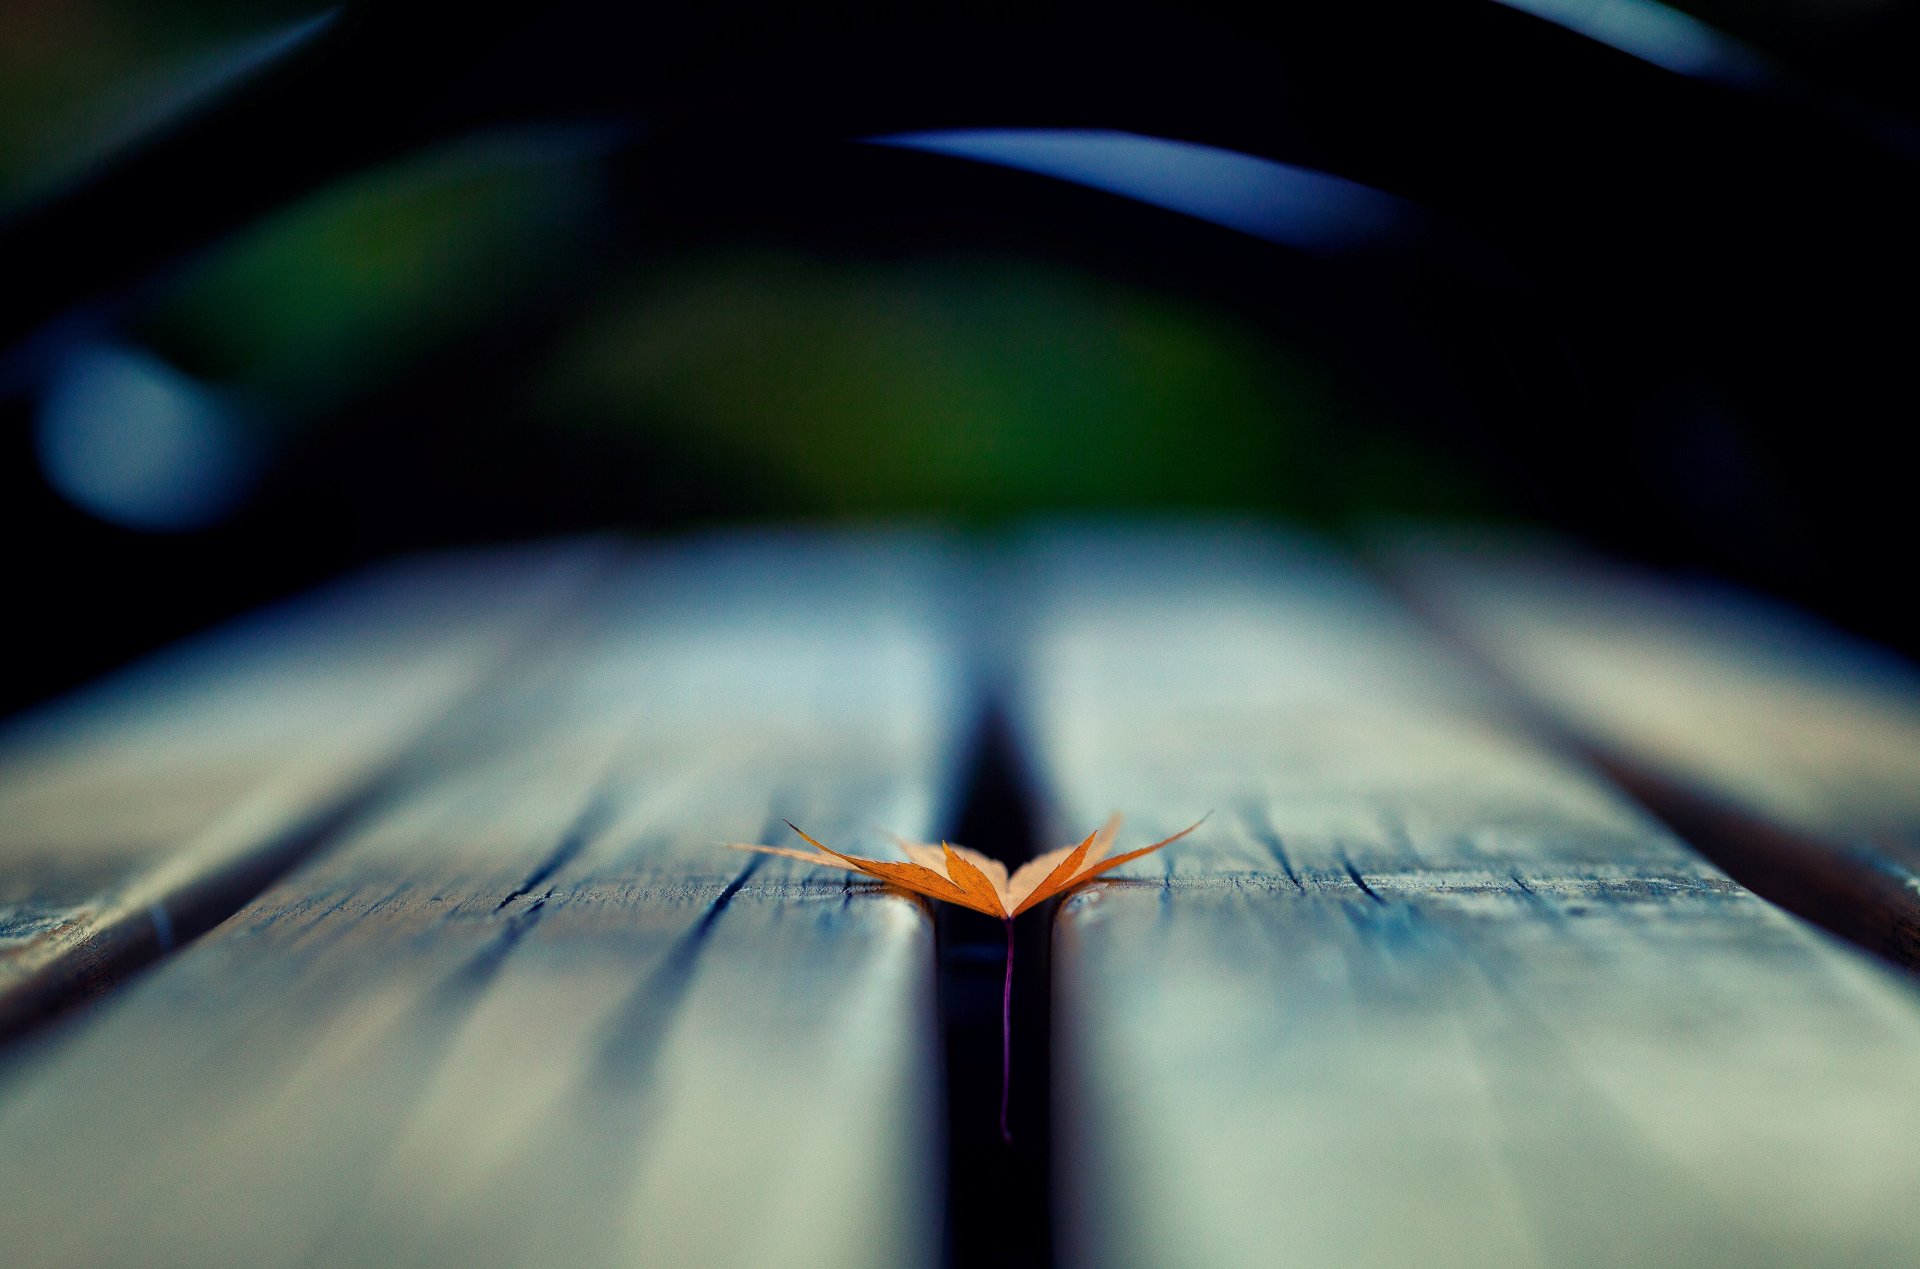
<point x="954" y="874"/>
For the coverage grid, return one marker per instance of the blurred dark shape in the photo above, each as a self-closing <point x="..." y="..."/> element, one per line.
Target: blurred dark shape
<point x="1285" y="204"/>
<point x="80" y="83"/>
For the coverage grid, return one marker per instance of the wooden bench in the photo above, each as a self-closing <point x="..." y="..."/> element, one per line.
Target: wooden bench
<point x="1423" y="992"/>
<point x="525" y="1008"/>
<point x="478" y="984"/>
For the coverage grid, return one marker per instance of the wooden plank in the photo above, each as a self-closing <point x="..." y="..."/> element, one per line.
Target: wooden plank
<point x="1421" y="992"/>
<point x="141" y="810"/>
<point x="531" y="1011"/>
<point x="1788" y="750"/>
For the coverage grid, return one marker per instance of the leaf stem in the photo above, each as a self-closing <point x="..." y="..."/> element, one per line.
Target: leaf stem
<point x="1006" y="1038"/>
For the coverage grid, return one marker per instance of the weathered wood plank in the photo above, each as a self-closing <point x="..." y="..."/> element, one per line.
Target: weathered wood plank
<point x="1422" y="992"/>
<point x="531" y="1012"/>
<point x="1787" y="749"/>
<point x="137" y="812"/>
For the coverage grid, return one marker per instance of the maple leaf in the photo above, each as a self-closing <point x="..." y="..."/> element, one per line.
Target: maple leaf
<point x="954" y="874"/>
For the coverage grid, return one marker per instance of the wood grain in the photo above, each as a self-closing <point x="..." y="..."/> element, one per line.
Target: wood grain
<point x="1422" y="992"/>
<point x="137" y="812"/>
<point x="1788" y="750"/>
<point x="531" y="1011"/>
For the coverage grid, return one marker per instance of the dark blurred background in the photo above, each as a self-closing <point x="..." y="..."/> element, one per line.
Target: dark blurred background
<point x="284" y="289"/>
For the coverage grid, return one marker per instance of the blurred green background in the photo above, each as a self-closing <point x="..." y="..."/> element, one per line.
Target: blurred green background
<point x="577" y="322"/>
<point x="802" y="383"/>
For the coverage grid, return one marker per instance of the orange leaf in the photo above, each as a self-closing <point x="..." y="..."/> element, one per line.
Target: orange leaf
<point x="980" y="890"/>
<point x="1117" y="860"/>
<point x="915" y="877"/>
<point x="1062" y="873"/>
<point x="954" y="874"/>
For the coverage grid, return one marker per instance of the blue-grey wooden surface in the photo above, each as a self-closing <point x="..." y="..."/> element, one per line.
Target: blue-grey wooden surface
<point x="1785" y="748"/>
<point x="1422" y="992"/>
<point x="145" y="808"/>
<point x="527" y="1010"/>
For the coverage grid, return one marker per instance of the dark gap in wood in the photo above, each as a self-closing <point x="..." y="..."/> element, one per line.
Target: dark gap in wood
<point x="1358" y="880"/>
<point x="125" y="946"/>
<point x="1902" y="848"/>
<point x="1857" y="892"/>
<point x="470" y="980"/>
<point x="132" y="942"/>
<point x="583" y="830"/>
<point x="1259" y="826"/>
<point x="998" y="1197"/>
<point x="634" y="1039"/>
